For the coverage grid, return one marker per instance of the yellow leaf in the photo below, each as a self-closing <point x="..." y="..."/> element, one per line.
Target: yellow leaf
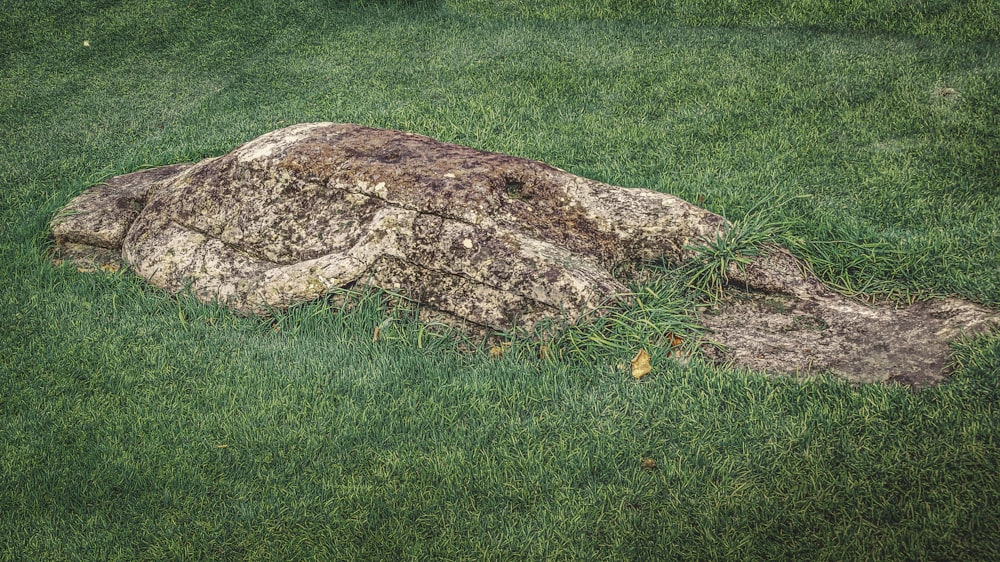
<point x="640" y="365"/>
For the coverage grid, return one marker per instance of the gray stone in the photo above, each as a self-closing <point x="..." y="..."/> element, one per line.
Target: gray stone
<point x="790" y="323"/>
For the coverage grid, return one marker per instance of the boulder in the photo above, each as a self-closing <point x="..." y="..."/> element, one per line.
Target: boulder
<point x="491" y="241"/>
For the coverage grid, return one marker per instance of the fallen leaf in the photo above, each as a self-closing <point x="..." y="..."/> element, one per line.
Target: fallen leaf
<point x="640" y="365"/>
<point x="648" y="464"/>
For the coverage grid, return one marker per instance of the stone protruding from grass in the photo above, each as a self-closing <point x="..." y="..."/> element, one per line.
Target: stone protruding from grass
<point x="491" y="239"/>
<point x="789" y="323"/>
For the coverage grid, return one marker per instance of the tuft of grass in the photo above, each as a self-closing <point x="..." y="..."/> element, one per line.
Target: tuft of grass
<point x="708" y="272"/>
<point x="657" y="317"/>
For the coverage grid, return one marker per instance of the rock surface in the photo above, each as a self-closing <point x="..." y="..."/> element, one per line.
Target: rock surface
<point x="792" y="324"/>
<point x="484" y="238"/>
<point x="492" y="239"/>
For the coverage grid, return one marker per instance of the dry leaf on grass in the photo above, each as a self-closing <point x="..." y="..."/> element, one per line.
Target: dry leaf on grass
<point x="640" y="365"/>
<point x="676" y="353"/>
<point x="674" y="339"/>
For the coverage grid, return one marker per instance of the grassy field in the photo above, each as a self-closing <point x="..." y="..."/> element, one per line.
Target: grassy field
<point x="137" y="426"/>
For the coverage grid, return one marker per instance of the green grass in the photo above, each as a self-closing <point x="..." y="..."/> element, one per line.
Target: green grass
<point x="138" y="426"/>
<point x="942" y="20"/>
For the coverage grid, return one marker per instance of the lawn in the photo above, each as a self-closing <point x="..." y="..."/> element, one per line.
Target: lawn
<point x="139" y="426"/>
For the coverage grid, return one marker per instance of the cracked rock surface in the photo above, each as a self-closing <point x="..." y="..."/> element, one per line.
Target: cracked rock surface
<point x="494" y="240"/>
<point x="491" y="240"/>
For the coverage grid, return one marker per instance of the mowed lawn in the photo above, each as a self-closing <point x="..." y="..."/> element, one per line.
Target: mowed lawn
<point x="139" y="426"/>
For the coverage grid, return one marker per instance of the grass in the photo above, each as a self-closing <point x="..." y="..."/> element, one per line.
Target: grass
<point x="962" y="21"/>
<point x="707" y="274"/>
<point x="139" y="426"/>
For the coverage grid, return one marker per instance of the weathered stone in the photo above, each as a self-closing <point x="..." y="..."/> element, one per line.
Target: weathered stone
<point x="492" y="239"/>
<point x="489" y="239"/>
<point x="792" y="324"/>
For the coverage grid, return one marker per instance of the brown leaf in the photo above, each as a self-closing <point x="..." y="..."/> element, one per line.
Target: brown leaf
<point x="640" y="365"/>
<point x="648" y="464"/>
<point x="676" y="353"/>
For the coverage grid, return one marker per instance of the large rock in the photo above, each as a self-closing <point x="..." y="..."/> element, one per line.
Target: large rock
<point x="488" y="239"/>
<point x="492" y="239"/>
